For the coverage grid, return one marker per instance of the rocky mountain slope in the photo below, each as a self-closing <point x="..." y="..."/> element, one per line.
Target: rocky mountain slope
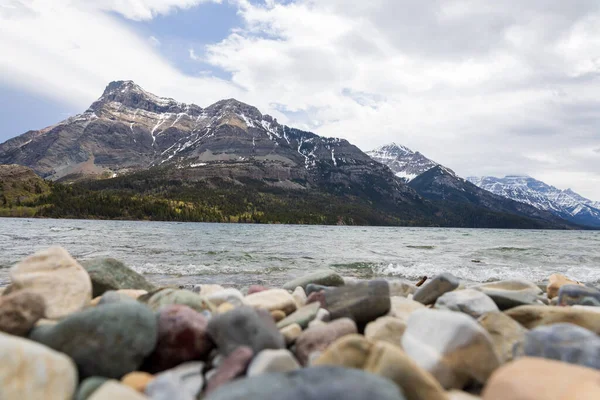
<point x="563" y="203"/>
<point x="404" y="162"/>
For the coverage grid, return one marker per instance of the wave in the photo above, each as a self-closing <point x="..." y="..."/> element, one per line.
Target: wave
<point x="421" y="247"/>
<point x="201" y="269"/>
<point x="511" y="249"/>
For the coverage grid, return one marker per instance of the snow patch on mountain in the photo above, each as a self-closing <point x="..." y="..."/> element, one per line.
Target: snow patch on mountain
<point x="404" y="162"/>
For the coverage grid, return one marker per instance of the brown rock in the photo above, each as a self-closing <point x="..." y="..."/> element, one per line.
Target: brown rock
<point x="225" y="307"/>
<point x="534" y="316"/>
<point x="350" y="351"/>
<point x="256" y="289"/>
<point x="137" y="380"/>
<point x="19" y="312"/>
<point x="387" y="329"/>
<point x="291" y="333"/>
<point x="234" y="365"/>
<point x="505" y="333"/>
<point x="555" y="282"/>
<point x="320" y="337"/>
<point x="536" y="378"/>
<point x="401" y="307"/>
<point x="277" y="315"/>
<point x="272" y="299"/>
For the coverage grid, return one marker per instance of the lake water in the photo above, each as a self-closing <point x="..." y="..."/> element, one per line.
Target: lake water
<point x="239" y="255"/>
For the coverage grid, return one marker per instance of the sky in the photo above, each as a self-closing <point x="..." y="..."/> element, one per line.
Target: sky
<point x="483" y="87"/>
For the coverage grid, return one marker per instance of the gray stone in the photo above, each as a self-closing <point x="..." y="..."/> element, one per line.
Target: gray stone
<point x="363" y="302"/>
<point x="468" y="301"/>
<point x="570" y="295"/>
<point x="562" y="342"/>
<point x="311" y="384"/>
<point x="431" y="290"/>
<point x="323" y="277"/>
<point x="110" y="274"/>
<point x="507" y="299"/>
<point x="89" y="386"/>
<point x="301" y="316"/>
<point x="268" y="361"/>
<point x="184" y="382"/>
<point x="245" y="326"/>
<point x="108" y="341"/>
<point x="112" y="297"/>
<point x="590" y="301"/>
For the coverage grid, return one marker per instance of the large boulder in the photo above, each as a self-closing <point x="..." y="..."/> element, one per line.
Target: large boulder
<point x="20" y="311"/>
<point x="54" y="275"/>
<point x="468" y="301"/>
<point x="322" y="277"/>
<point x="431" y="290"/>
<point x="108" y="341"/>
<point x="110" y="274"/>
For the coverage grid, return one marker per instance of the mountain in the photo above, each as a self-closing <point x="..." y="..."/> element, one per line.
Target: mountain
<point x="563" y="203"/>
<point x="404" y="162"/>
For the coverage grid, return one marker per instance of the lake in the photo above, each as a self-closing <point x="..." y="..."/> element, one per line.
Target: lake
<point x="239" y="255"/>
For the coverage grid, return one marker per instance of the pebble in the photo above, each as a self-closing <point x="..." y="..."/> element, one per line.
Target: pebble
<point x="245" y="326"/>
<point x="300" y="296"/>
<point x="182" y="337"/>
<point x="349" y="351"/>
<point x="322" y="277"/>
<point x="113" y="390"/>
<point x="272" y="299"/>
<point x="49" y="270"/>
<point x="570" y="295"/>
<point x="108" y="341"/>
<point x="20" y="311"/>
<point x="225" y="307"/>
<point x="301" y="316"/>
<point x="562" y="342"/>
<point x="468" y="301"/>
<point x="311" y="384"/>
<point x="537" y="378"/>
<point x="511" y="285"/>
<point x="233" y="366"/>
<point x="387" y="329"/>
<point x="256" y="289"/>
<point x="89" y="386"/>
<point x="232" y="296"/>
<point x="505" y="333"/>
<point x="268" y="361"/>
<point x="207" y="289"/>
<point x="316" y="297"/>
<point x="507" y="299"/>
<point x="31" y="371"/>
<point x="451" y="346"/>
<point x="291" y="333"/>
<point x="110" y="274"/>
<point x="460" y="395"/>
<point x="318" y="338"/>
<point x="533" y="316"/>
<point x="362" y="302"/>
<point x="401" y="307"/>
<point x="555" y="282"/>
<point x="168" y="296"/>
<point x="184" y="382"/>
<point x="137" y="380"/>
<point x="434" y="288"/>
<point x="277" y="315"/>
<point x="113" y="296"/>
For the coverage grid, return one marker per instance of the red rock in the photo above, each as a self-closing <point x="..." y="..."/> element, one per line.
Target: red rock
<point x="319" y="338"/>
<point x="256" y="289"/>
<point x="234" y="365"/>
<point x="182" y="337"/>
<point x="317" y="297"/>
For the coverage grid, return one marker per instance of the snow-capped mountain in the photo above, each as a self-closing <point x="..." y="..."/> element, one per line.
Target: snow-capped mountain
<point x="564" y="203"/>
<point x="404" y="162"/>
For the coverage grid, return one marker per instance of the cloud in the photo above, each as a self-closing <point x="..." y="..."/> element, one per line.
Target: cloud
<point x="193" y="55"/>
<point x="154" y="41"/>
<point x="142" y="9"/>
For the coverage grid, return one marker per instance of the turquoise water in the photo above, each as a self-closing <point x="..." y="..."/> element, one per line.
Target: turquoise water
<point x="190" y="253"/>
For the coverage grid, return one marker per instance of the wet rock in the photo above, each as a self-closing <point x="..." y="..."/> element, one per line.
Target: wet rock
<point x="113" y="390"/>
<point x="167" y="296"/>
<point x="233" y="366"/>
<point x="182" y="383"/>
<point x="387" y="329"/>
<point x="89" y="386"/>
<point x="533" y="316"/>
<point x="268" y="361"/>
<point x="505" y="333"/>
<point x="291" y="333"/>
<point x="110" y="274"/>
<point x="451" y="346"/>
<point x="468" y="301"/>
<point x="300" y="297"/>
<point x="323" y="277"/>
<point x="46" y="271"/>
<point x="245" y="326"/>
<point x="555" y="282"/>
<point x="108" y="341"/>
<point x="19" y="312"/>
<point x="320" y="337"/>
<point x="570" y="295"/>
<point x="311" y="384"/>
<point x="182" y="337"/>
<point x="562" y="342"/>
<point x="232" y="296"/>
<point x="31" y="371"/>
<point x="536" y="378"/>
<point x="362" y="302"/>
<point x="434" y="288"/>
<point x="137" y="380"/>
<point x="272" y="299"/>
<point x="301" y="316"/>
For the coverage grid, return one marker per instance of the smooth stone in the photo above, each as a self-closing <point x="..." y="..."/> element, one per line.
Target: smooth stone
<point x="511" y="285"/>
<point x="402" y="288"/>
<point x="291" y="333"/>
<point x="232" y="296"/>
<point x="402" y="307"/>
<point x="29" y="370"/>
<point x="245" y="326"/>
<point x="277" y="315"/>
<point x="113" y="390"/>
<point x="320" y="337"/>
<point x="112" y="297"/>
<point x="108" y="341"/>
<point x="362" y="302"/>
<point x="434" y="288"/>
<point x="137" y="380"/>
<point x="268" y="361"/>
<point x="256" y="289"/>
<point x="225" y="307"/>
<point x="130" y="293"/>
<point x="110" y="274"/>
<point x="207" y="289"/>
<point x="299" y="296"/>
<point x="182" y="337"/>
<point x="168" y="296"/>
<point x="505" y="333"/>
<point x="57" y="277"/>
<point x="590" y="301"/>
<point x="570" y="295"/>
<point x="311" y="384"/>
<point x="562" y="342"/>
<point x="387" y="329"/>
<point x="301" y="316"/>
<point x="272" y="299"/>
<point x="349" y="351"/>
<point x="537" y="378"/>
<point x="184" y="382"/>
<point x="468" y="301"/>
<point x="233" y="366"/>
<point x="555" y="282"/>
<point x="507" y="299"/>
<point x="315" y="322"/>
<point x="312" y="288"/>
<point x="451" y="346"/>
<point x="322" y="315"/>
<point x="317" y="297"/>
<point x="322" y="277"/>
<point x="89" y="386"/>
<point x="533" y="316"/>
<point x="20" y="311"/>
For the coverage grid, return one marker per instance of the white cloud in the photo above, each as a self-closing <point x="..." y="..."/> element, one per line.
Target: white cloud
<point x="193" y="55"/>
<point x="142" y="9"/>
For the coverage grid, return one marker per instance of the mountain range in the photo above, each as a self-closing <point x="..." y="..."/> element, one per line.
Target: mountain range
<point x="133" y="154"/>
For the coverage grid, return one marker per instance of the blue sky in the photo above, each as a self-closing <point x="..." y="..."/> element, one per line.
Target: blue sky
<point x="485" y="88"/>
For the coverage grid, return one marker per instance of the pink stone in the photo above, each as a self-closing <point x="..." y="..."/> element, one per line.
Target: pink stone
<point x="233" y="365"/>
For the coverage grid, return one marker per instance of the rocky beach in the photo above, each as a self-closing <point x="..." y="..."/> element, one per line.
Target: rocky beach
<point x="98" y="330"/>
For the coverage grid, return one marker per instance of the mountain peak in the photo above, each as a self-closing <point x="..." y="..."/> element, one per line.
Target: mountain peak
<point x="404" y="162"/>
<point x="121" y="86"/>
